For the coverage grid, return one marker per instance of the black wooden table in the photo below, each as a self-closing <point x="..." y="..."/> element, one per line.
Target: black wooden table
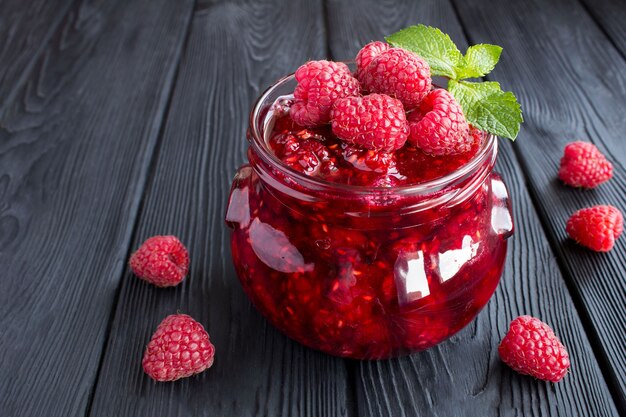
<point x="123" y="119"/>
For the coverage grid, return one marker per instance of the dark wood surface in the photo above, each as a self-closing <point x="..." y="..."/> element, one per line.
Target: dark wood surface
<point x="25" y="33"/>
<point x="124" y="119"/>
<point x="582" y="94"/>
<point x="257" y="371"/>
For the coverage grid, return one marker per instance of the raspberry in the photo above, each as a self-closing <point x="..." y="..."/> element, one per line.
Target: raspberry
<point x="583" y="165"/>
<point x="367" y="54"/>
<point x="179" y="348"/>
<point x="376" y="121"/>
<point x="400" y="74"/>
<point x="161" y="260"/>
<point x="596" y="227"/>
<point x="531" y="348"/>
<point x="320" y="83"/>
<point x="439" y="127"/>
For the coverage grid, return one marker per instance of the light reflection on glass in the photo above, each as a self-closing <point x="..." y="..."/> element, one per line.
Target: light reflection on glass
<point x="451" y="261"/>
<point x="501" y="221"/>
<point x="501" y="218"/>
<point x="410" y="277"/>
<point x="273" y="248"/>
<point x="238" y="210"/>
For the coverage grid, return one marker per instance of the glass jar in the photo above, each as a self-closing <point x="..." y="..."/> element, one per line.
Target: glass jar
<point x="365" y="272"/>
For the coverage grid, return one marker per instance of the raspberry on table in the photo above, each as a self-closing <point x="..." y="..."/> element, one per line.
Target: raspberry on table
<point x="375" y="121"/>
<point x="438" y="125"/>
<point x="531" y="348"/>
<point x="161" y="260"/>
<point x="583" y="165"/>
<point x="400" y="74"/>
<point x="596" y="227"/>
<point x="179" y="348"/>
<point x="320" y="83"/>
<point x="367" y="54"/>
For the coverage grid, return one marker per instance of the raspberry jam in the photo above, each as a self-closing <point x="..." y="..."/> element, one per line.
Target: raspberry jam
<point x="362" y="254"/>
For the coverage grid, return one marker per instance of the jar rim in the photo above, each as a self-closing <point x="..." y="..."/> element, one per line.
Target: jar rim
<point x="487" y="152"/>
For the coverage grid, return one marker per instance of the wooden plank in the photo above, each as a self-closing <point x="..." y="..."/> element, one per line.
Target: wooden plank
<point x="610" y="18"/>
<point x="572" y="85"/>
<point x="75" y="146"/>
<point x="464" y="375"/>
<point x="24" y="32"/>
<point x="235" y="50"/>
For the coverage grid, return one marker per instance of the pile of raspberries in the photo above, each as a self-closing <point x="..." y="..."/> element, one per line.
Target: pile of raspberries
<point x="389" y="101"/>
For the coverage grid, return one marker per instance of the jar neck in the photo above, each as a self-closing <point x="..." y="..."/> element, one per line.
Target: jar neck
<point x="450" y="189"/>
<point x="290" y="186"/>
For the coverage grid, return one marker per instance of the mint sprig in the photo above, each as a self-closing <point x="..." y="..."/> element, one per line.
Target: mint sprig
<point x="485" y="105"/>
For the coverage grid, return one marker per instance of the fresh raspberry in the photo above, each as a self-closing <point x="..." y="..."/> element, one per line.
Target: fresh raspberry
<point x="531" y="348"/>
<point x="439" y="127"/>
<point x="367" y="54"/>
<point x="179" y="348"/>
<point x="400" y="74"/>
<point x="596" y="227"/>
<point x="583" y="165"/>
<point x="320" y="83"/>
<point x="161" y="260"/>
<point x="376" y="121"/>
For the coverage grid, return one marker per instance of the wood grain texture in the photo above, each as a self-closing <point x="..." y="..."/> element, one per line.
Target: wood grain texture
<point x="610" y="16"/>
<point x="74" y="151"/>
<point x="464" y="375"/>
<point x="572" y="86"/>
<point x="24" y="32"/>
<point x="235" y="51"/>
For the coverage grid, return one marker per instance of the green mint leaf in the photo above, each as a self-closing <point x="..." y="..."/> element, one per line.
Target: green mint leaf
<point x="479" y="60"/>
<point x="431" y="44"/>
<point x="487" y="107"/>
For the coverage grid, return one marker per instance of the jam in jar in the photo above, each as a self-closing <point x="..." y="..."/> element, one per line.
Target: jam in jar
<point x="364" y="254"/>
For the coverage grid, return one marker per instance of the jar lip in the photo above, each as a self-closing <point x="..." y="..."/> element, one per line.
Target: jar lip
<point x="256" y="138"/>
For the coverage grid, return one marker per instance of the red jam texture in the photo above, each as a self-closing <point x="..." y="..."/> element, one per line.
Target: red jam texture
<point x="316" y="152"/>
<point x="362" y="276"/>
